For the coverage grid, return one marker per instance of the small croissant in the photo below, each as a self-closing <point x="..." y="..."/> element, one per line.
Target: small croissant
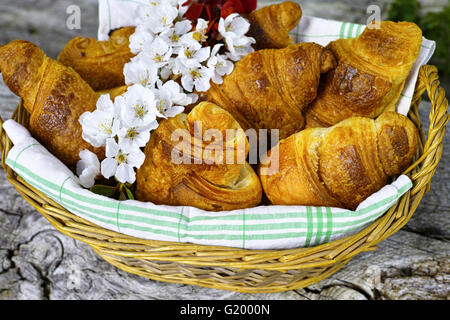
<point x="370" y="74"/>
<point x="339" y="166"/>
<point x="209" y="174"/>
<point x="54" y="95"/>
<point x="270" y="25"/>
<point x="269" y="89"/>
<point x="100" y="63"/>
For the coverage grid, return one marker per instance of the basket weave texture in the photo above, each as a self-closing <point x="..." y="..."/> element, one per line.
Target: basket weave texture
<point x="251" y="271"/>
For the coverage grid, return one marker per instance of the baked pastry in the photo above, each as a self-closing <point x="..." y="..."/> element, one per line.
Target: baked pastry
<point x="113" y="92"/>
<point x="370" y="74"/>
<point x="270" y="25"/>
<point x="269" y="89"/>
<point x="194" y="172"/>
<point x="100" y="63"/>
<point x="339" y="166"/>
<point x="53" y="94"/>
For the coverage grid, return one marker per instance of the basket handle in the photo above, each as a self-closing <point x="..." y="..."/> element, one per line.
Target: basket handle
<point x="4" y="139"/>
<point x="433" y="146"/>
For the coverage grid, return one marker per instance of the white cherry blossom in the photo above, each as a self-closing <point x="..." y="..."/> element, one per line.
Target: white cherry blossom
<point x="100" y="124"/>
<point x="157" y="51"/>
<point x="137" y="107"/>
<point x="198" y="77"/>
<point x="200" y="30"/>
<point x="193" y="52"/>
<point x="160" y="17"/>
<point x="88" y="168"/>
<point x="121" y="163"/>
<point x="219" y="64"/>
<point x="233" y="27"/>
<point x="142" y="71"/>
<point x="140" y="38"/>
<point x="171" y="98"/>
<point x="240" y="48"/>
<point x="174" y="35"/>
<point x="133" y="138"/>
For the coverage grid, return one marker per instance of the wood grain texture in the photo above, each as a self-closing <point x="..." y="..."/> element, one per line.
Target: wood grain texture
<point x="38" y="262"/>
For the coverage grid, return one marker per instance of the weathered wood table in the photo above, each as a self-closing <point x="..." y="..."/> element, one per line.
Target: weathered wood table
<point x="37" y="262"/>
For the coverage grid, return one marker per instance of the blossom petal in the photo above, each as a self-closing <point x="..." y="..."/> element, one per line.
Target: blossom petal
<point x="183" y="27"/>
<point x="108" y="167"/>
<point x="112" y="148"/>
<point x="136" y="158"/>
<point x="104" y="103"/>
<point x="125" y="173"/>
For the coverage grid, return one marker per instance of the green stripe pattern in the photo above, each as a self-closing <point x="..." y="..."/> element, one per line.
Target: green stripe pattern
<point x="313" y="30"/>
<point x="264" y="227"/>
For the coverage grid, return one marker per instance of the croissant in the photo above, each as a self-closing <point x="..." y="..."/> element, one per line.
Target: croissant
<point x="339" y="166"/>
<point x="206" y="175"/>
<point x="113" y="92"/>
<point x="270" y="25"/>
<point x="370" y="74"/>
<point x="269" y="89"/>
<point x="100" y="63"/>
<point x="54" y="95"/>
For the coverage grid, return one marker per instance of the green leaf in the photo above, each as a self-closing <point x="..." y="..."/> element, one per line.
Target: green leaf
<point x="129" y="193"/>
<point x="122" y="195"/>
<point x="104" y="190"/>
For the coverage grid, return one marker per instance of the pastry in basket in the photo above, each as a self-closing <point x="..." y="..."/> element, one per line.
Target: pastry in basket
<point x="270" y="25"/>
<point x="53" y="94"/>
<point x="339" y="166"/>
<point x="269" y="89"/>
<point x="100" y="63"/>
<point x="113" y="92"/>
<point x="201" y="176"/>
<point x="370" y="75"/>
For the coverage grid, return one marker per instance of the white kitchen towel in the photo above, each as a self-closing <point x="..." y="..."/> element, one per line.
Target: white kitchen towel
<point x="115" y="14"/>
<point x="262" y="227"/>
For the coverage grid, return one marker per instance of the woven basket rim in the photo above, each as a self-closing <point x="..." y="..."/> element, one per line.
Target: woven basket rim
<point x="331" y="256"/>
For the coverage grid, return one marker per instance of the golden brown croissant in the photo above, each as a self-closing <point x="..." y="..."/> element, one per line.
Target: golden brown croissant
<point x="113" y="92"/>
<point x="269" y="89"/>
<point x="100" y="63"/>
<point x="204" y="178"/>
<point x="370" y="75"/>
<point x="53" y="94"/>
<point x="270" y="25"/>
<point x="339" y="166"/>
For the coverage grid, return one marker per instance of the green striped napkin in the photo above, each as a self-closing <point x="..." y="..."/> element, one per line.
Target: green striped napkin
<point x="263" y="227"/>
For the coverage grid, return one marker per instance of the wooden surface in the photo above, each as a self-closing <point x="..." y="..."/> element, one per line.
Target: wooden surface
<point x="38" y="262"/>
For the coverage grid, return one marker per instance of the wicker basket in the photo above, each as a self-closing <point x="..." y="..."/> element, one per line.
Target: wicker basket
<point x="252" y="271"/>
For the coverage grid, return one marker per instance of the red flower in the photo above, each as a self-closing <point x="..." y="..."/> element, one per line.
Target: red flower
<point x="194" y="11"/>
<point x="231" y="6"/>
<point x="210" y="9"/>
<point x="205" y="9"/>
<point x="249" y="5"/>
